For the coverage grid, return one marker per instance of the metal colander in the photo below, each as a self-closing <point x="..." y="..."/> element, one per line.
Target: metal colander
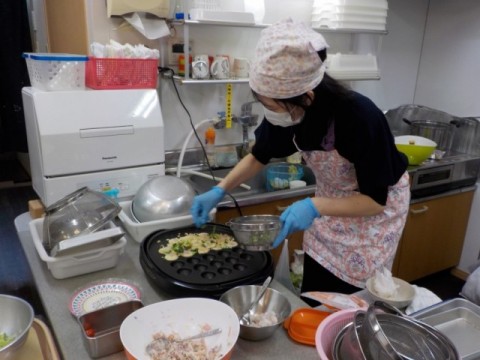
<point x="255" y="232"/>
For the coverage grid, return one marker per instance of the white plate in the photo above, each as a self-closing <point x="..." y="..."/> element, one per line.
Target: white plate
<point x="101" y="295"/>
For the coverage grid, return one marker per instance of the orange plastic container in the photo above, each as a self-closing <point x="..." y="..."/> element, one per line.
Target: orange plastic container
<point x="115" y="73"/>
<point x="303" y="323"/>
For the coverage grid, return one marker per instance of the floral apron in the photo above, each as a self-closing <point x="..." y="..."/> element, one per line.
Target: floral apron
<point x="352" y="248"/>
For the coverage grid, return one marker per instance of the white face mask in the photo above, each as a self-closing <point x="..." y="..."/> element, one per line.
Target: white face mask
<point x="283" y="119"/>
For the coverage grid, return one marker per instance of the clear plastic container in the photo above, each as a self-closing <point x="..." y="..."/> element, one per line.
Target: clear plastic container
<point x="279" y="175"/>
<point x="55" y="72"/>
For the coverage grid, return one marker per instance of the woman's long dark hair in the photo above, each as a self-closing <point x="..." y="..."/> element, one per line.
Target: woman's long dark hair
<point x="334" y="87"/>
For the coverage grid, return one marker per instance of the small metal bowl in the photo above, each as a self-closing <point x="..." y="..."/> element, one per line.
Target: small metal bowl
<point x="17" y="319"/>
<point x="162" y="197"/>
<point x="255" y="232"/>
<point x="239" y="299"/>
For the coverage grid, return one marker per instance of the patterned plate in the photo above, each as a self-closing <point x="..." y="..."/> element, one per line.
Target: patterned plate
<point x="101" y="295"/>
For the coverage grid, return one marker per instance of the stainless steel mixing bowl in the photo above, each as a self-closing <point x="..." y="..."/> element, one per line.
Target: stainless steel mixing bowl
<point x="239" y="299"/>
<point x="162" y="197"/>
<point x="17" y="318"/>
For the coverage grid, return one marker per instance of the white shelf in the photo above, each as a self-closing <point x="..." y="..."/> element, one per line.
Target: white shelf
<point x="190" y="81"/>
<point x="261" y="26"/>
<point x="186" y="35"/>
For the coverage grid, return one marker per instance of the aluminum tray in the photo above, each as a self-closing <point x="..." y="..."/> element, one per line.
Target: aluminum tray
<point x="459" y="320"/>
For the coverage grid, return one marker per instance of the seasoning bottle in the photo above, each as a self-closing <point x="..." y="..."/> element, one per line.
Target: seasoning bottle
<point x="179" y="10"/>
<point x="210" y="146"/>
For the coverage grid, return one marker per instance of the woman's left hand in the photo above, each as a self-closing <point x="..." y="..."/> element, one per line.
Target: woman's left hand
<point x="298" y="216"/>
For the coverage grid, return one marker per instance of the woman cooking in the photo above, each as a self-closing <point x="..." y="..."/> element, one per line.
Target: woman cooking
<point x="354" y="222"/>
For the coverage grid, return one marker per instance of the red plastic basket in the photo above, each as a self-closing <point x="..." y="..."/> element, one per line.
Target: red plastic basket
<point x="113" y="73"/>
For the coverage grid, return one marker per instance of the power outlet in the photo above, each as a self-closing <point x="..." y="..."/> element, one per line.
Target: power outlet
<point x="175" y="48"/>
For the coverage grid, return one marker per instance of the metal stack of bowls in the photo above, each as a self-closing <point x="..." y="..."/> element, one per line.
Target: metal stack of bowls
<point x="162" y="197"/>
<point x="384" y="333"/>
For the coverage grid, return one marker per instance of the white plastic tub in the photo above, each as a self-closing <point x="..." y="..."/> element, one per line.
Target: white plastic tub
<point x="334" y="24"/>
<point x="352" y="62"/>
<point x="140" y="230"/>
<point x="349" y="10"/>
<point x="352" y="66"/>
<point x="84" y="262"/>
<point x="376" y="4"/>
<point x="234" y="17"/>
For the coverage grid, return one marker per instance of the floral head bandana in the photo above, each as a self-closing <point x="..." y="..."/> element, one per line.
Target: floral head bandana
<point x="286" y="62"/>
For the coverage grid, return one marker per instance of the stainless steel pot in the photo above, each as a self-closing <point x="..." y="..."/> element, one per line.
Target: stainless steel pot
<point x="440" y="132"/>
<point x="466" y="135"/>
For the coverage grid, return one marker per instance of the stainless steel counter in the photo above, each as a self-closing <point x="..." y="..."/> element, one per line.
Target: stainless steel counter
<point x="56" y="294"/>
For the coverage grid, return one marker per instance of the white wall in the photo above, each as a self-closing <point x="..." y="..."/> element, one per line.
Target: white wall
<point x="399" y="55"/>
<point x="398" y="60"/>
<point x="449" y="76"/>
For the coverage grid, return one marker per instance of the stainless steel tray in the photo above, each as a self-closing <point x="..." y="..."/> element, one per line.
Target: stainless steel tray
<point x="459" y="320"/>
<point x="95" y="240"/>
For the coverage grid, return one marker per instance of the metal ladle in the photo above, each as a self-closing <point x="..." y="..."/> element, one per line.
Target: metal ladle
<point x="245" y="318"/>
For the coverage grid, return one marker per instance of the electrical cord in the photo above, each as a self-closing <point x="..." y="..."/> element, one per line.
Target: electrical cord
<point x="170" y="73"/>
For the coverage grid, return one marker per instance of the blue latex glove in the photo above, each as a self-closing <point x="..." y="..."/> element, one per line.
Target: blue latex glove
<point x="298" y="216"/>
<point x="203" y="204"/>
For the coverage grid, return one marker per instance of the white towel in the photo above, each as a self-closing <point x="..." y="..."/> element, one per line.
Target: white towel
<point x="471" y="289"/>
<point x="423" y="299"/>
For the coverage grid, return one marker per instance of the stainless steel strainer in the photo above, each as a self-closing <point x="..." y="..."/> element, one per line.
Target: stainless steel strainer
<point x="255" y="232"/>
<point x="388" y="334"/>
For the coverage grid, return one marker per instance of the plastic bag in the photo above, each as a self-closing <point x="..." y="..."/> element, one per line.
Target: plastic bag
<point x="282" y="270"/>
<point x="471" y="289"/>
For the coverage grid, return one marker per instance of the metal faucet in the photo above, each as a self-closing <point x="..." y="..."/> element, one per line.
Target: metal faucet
<point x="246" y="119"/>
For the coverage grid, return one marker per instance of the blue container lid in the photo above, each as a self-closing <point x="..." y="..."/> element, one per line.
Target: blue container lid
<point x="54" y="57"/>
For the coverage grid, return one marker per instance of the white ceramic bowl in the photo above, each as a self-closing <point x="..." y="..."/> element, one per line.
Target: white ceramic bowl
<point x="403" y="298"/>
<point x="185" y="317"/>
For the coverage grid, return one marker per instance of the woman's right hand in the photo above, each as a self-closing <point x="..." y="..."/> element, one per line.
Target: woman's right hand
<point x="203" y="204"/>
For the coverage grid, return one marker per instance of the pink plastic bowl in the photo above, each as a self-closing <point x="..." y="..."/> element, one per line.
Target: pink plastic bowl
<point x="329" y="329"/>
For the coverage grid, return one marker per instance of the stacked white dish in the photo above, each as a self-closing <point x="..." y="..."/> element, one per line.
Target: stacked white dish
<point x="350" y="14"/>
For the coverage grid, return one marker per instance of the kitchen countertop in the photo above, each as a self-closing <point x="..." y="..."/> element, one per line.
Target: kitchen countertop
<point x="56" y="294"/>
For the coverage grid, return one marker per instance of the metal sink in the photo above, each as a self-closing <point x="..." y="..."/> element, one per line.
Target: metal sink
<point x="258" y="192"/>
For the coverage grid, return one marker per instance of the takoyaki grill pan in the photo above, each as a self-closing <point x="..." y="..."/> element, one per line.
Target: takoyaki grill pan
<point x="208" y="275"/>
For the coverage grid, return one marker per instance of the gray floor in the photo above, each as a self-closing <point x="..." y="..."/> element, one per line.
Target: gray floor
<point x="15" y="275"/>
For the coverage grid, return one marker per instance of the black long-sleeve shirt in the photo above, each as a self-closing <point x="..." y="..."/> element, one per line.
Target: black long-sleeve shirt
<point x="361" y="135"/>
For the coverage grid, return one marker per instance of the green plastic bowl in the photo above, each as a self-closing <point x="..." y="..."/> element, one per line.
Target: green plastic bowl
<point x="416" y="148"/>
